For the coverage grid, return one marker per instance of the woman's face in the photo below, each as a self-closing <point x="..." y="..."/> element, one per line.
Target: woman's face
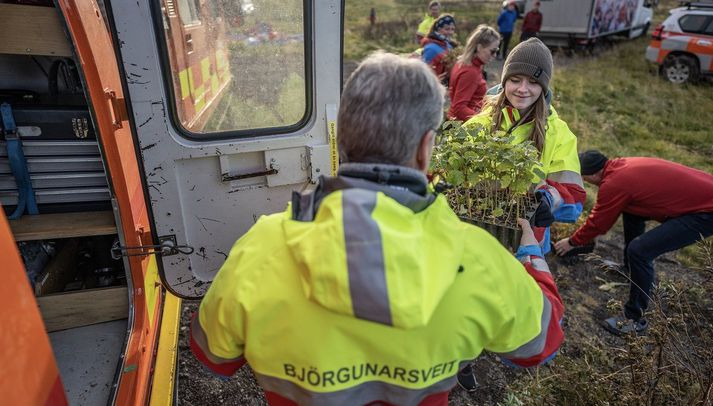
<point x="447" y="30"/>
<point x="522" y="91"/>
<point x="488" y="52"/>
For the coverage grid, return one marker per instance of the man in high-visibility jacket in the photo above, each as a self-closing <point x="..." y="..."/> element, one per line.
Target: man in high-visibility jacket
<point x="434" y="10"/>
<point x="370" y="289"/>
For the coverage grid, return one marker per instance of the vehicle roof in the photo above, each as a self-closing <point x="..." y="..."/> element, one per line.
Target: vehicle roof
<point x="692" y="10"/>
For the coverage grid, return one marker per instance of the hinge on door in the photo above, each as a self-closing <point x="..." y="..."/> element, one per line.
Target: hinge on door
<point x="117" y="108"/>
<point x="167" y="246"/>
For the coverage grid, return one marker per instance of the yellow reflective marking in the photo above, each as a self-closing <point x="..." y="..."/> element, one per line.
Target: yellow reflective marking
<point x="185" y="89"/>
<point x="214" y="84"/>
<point x="220" y="59"/>
<point x="198" y="93"/>
<point x="199" y="104"/>
<point x="331" y="113"/>
<point x="152" y="287"/>
<point x="333" y="154"/>
<point x="191" y="82"/>
<point x="205" y="69"/>
<point x="166" y="354"/>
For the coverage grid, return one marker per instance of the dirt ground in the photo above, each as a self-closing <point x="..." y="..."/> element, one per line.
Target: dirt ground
<point x="673" y="364"/>
<point x="590" y="291"/>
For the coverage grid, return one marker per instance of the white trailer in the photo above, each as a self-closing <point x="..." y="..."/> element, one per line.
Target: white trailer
<point x="572" y="23"/>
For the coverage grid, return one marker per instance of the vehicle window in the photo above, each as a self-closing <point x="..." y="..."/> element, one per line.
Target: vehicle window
<point x="242" y="68"/>
<point x="709" y="30"/>
<point x="693" y="23"/>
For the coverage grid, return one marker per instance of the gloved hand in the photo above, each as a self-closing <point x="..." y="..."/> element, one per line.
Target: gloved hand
<point x="543" y="214"/>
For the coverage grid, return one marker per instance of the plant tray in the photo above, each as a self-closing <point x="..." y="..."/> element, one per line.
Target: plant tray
<point x="508" y="236"/>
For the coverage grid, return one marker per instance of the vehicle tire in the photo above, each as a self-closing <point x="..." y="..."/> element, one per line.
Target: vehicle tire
<point x="680" y="69"/>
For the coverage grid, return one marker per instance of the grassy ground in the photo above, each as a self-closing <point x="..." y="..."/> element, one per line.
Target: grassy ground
<point x="396" y="22"/>
<point x="615" y="102"/>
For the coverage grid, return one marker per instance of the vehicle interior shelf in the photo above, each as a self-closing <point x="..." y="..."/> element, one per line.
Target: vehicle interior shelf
<point x="63" y="225"/>
<point x="32" y="30"/>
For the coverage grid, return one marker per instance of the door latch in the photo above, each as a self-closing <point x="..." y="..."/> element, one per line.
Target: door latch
<point x="167" y="246"/>
<point x="117" y="109"/>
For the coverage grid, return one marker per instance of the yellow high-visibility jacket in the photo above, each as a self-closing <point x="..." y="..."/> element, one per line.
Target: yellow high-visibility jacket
<point x="365" y="292"/>
<point x="563" y="186"/>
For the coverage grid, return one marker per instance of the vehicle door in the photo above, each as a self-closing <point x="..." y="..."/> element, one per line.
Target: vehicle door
<point x="29" y="373"/>
<point x="234" y="106"/>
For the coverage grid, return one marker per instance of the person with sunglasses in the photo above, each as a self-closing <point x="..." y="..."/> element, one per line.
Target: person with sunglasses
<point x="467" y="82"/>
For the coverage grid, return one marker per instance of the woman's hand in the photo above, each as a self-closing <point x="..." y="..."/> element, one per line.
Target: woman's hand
<point x="528" y="236"/>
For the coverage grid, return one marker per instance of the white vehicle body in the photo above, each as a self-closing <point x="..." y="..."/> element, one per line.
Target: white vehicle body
<point x="683" y="44"/>
<point x="568" y="23"/>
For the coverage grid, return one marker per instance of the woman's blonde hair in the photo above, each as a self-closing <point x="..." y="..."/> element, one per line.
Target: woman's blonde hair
<point x="537" y="113"/>
<point x="483" y="35"/>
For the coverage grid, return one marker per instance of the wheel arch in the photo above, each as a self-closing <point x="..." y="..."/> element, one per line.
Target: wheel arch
<point x="677" y="53"/>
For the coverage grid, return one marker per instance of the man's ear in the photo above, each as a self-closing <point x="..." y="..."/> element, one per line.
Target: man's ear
<point x="425" y="149"/>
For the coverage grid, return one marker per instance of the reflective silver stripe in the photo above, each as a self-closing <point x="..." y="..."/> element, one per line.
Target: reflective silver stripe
<point x="365" y="257"/>
<point x="566" y="177"/>
<point x="537" y="344"/>
<point x="706" y="61"/>
<point x="556" y="198"/>
<point x="361" y="394"/>
<point x="676" y="43"/>
<point x="540" y="264"/>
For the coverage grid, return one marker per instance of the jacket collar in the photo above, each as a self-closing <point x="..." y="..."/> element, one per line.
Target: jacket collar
<point x="407" y="186"/>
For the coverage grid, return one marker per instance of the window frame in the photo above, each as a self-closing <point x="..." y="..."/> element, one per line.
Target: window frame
<point x="235" y="134"/>
<point x="709" y="29"/>
<point x="706" y="22"/>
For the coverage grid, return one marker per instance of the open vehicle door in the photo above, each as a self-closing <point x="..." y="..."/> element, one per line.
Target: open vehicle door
<point x="29" y="373"/>
<point x="234" y="108"/>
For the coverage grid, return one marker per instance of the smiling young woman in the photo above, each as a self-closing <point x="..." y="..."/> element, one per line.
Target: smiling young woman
<point x="520" y="106"/>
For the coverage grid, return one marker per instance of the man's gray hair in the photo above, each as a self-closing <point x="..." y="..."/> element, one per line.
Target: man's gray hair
<point x="387" y="105"/>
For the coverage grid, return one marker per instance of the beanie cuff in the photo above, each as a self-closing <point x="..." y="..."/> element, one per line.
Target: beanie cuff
<point x="529" y="70"/>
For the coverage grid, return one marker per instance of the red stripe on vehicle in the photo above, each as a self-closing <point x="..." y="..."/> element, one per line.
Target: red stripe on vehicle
<point x="56" y="396"/>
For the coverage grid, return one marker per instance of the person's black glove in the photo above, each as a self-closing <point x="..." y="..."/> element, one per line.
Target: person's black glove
<point x="543" y="214"/>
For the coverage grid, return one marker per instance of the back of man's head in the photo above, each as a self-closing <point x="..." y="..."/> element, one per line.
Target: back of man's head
<point x="387" y="105"/>
<point x="591" y="162"/>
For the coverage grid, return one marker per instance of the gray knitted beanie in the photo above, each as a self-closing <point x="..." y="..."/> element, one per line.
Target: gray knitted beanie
<point x="530" y="58"/>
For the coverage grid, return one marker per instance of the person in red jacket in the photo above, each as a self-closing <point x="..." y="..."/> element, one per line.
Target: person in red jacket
<point x="532" y="23"/>
<point x="643" y="189"/>
<point x="467" y="82"/>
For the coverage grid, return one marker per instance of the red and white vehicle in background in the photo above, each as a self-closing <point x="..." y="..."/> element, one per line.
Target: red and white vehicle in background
<point x="683" y="44"/>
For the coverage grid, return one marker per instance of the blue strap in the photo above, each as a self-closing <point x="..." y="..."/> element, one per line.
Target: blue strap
<point x="8" y="122"/>
<point x="18" y="165"/>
